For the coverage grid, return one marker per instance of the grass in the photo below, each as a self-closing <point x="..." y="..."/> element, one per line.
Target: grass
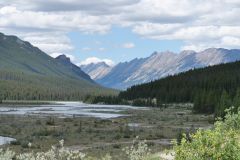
<point x="100" y="136"/>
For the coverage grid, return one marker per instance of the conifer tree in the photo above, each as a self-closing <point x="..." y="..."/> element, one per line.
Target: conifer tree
<point x="236" y="100"/>
<point x="224" y="103"/>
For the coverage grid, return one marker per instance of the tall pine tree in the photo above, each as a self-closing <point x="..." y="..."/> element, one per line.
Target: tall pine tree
<point x="224" y="103"/>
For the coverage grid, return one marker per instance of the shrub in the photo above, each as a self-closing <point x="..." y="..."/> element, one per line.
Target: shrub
<point x="138" y="150"/>
<point x="220" y="143"/>
<point x="50" y="121"/>
<point x="6" y="155"/>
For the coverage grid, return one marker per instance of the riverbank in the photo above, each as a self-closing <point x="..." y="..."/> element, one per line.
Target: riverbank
<point x="25" y="102"/>
<point x="98" y="136"/>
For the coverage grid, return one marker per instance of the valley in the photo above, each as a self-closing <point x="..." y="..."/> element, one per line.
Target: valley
<point x="87" y="128"/>
<point x="119" y="80"/>
<point x="47" y="100"/>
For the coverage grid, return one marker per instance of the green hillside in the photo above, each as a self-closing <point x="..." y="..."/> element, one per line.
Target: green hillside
<point x="28" y="73"/>
<point x="211" y="89"/>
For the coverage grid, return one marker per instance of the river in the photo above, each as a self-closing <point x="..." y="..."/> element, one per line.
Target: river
<point x="68" y="109"/>
<point x="6" y="140"/>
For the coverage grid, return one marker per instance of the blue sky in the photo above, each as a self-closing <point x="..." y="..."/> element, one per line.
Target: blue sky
<point x="121" y="30"/>
<point x="111" y="45"/>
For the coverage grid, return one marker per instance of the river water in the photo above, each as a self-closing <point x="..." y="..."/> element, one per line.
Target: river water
<point x="6" y="140"/>
<point x="68" y="109"/>
<point x="64" y="110"/>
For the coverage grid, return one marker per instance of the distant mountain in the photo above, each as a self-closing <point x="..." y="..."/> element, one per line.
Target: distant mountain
<point x="28" y="73"/>
<point x="159" y="65"/>
<point x="96" y="70"/>
<point x="211" y="89"/>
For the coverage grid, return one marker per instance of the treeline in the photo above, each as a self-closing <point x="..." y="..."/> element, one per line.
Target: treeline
<point x="105" y="100"/>
<point x="113" y="100"/>
<point x="211" y="89"/>
<point x="207" y="88"/>
<point x="23" y="86"/>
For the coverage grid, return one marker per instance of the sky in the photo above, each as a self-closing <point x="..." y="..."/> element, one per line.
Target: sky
<point x="121" y="30"/>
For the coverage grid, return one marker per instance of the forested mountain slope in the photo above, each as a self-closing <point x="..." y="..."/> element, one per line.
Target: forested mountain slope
<point x="64" y="60"/>
<point x="28" y="73"/>
<point x="212" y="89"/>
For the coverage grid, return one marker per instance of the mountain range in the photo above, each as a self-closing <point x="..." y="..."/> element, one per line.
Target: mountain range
<point x="26" y="72"/>
<point x="23" y="65"/>
<point x="211" y="89"/>
<point x="156" y="66"/>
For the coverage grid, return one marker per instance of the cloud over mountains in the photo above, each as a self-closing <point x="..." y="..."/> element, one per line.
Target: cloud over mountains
<point x="199" y="23"/>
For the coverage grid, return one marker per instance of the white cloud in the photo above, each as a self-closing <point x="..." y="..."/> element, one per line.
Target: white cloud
<point x="86" y="49"/>
<point x="198" y="23"/>
<point x="224" y="42"/>
<point x="93" y="49"/>
<point x="101" y="49"/>
<point x="199" y="38"/>
<point x="50" y="42"/>
<point x="97" y="60"/>
<point x="63" y="21"/>
<point x="48" y="31"/>
<point x="93" y="6"/>
<point x="151" y="30"/>
<point x="231" y="41"/>
<point x="8" y="10"/>
<point x="128" y="45"/>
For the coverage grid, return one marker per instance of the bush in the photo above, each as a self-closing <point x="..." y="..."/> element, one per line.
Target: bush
<point x="55" y="153"/>
<point x="50" y="121"/>
<point x="222" y="142"/>
<point x="6" y="155"/>
<point x="138" y="151"/>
